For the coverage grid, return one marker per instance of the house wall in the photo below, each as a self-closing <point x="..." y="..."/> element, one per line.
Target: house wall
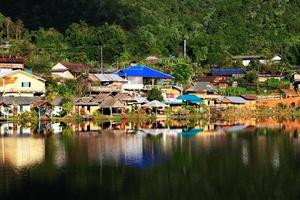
<point x="79" y="109"/>
<point x="12" y="85"/>
<point x="65" y="74"/>
<point x="5" y="70"/>
<point x="134" y="83"/>
<point x="263" y="79"/>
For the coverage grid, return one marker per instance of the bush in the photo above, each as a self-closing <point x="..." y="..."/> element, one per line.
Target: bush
<point x="155" y="94"/>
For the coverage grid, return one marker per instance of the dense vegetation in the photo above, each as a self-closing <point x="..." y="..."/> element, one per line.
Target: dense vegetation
<point x="133" y="29"/>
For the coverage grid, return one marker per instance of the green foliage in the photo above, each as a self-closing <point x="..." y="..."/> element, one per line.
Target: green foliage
<point x="277" y="84"/>
<point x="232" y="91"/>
<point x="68" y="106"/>
<point x="40" y="64"/>
<point x="250" y="78"/>
<point x="214" y="30"/>
<point x="182" y="72"/>
<point x="155" y="94"/>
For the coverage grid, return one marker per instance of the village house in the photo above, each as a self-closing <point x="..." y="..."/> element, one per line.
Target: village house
<point x="251" y="99"/>
<point x="43" y="108"/>
<point x="296" y="81"/>
<point x="171" y="93"/>
<point x="264" y="77"/>
<point x="57" y="106"/>
<point x="85" y="106"/>
<point x="230" y="72"/>
<point x="69" y="70"/>
<point x="111" y="106"/>
<point x="206" y="91"/>
<point x="216" y="81"/>
<point x="10" y="62"/>
<point x="18" y="105"/>
<point x="21" y="83"/>
<point x="246" y="60"/>
<point x="141" y="77"/>
<point x="127" y="100"/>
<point x="226" y="101"/>
<point x="106" y="83"/>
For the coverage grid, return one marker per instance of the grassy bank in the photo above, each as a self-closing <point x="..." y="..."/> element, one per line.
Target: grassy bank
<point x="260" y="113"/>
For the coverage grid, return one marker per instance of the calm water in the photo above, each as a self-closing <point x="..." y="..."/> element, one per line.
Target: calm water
<point x="152" y="161"/>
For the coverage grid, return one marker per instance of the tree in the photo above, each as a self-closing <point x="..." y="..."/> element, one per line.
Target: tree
<point x="182" y="72"/>
<point x="2" y="20"/>
<point x="155" y="94"/>
<point x="8" y="23"/>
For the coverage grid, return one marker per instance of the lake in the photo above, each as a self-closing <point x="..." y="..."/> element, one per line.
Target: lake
<point x="158" y="160"/>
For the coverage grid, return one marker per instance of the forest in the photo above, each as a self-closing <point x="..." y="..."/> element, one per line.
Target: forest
<point x="215" y="30"/>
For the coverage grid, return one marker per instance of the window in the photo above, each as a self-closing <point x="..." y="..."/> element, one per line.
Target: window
<point x="26" y="84"/>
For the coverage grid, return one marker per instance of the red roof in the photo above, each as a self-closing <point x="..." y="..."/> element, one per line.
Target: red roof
<point x="9" y="58"/>
<point x="250" y="97"/>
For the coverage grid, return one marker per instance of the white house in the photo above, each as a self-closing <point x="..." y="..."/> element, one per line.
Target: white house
<point x="246" y="60"/>
<point x="141" y="77"/>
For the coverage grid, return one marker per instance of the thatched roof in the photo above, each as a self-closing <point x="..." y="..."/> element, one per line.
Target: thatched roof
<point x="101" y="97"/>
<point x="111" y="102"/>
<point x="124" y="97"/>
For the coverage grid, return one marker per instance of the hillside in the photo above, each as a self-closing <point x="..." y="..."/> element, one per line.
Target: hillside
<point x="130" y="29"/>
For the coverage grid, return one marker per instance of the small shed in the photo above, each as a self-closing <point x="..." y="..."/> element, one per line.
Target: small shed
<point x="231" y="100"/>
<point x="156" y="106"/>
<point x="112" y="106"/>
<point x="44" y="109"/>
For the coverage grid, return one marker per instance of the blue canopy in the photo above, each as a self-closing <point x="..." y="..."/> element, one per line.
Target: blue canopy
<point x="190" y="98"/>
<point x="223" y="71"/>
<point x="143" y="71"/>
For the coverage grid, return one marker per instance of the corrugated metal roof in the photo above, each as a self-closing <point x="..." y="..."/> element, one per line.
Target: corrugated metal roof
<point x="110" y="102"/>
<point x="143" y="71"/>
<point x="223" y="71"/>
<point x="201" y="86"/>
<point x="233" y="99"/>
<point x="106" y="78"/>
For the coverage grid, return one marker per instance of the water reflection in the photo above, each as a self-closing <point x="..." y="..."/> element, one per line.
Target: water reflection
<point x="22" y="152"/>
<point x="129" y="161"/>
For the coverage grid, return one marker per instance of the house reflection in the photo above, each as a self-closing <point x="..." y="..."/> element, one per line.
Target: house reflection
<point x="22" y="151"/>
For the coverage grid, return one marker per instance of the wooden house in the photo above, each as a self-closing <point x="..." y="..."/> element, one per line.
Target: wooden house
<point x="21" y="83"/>
<point x="69" y="70"/>
<point x="9" y="62"/>
<point x="106" y="83"/>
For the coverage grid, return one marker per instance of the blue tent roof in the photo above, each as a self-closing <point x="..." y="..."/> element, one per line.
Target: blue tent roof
<point x="191" y="98"/>
<point x="143" y="71"/>
<point x="223" y="71"/>
<point x="192" y="132"/>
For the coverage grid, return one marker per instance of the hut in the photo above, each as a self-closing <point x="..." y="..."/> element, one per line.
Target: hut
<point x="44" y="109"/>
<point x="111" y="106"/>
<point x="156" y="106"/>
<point x="85" y="105"/>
